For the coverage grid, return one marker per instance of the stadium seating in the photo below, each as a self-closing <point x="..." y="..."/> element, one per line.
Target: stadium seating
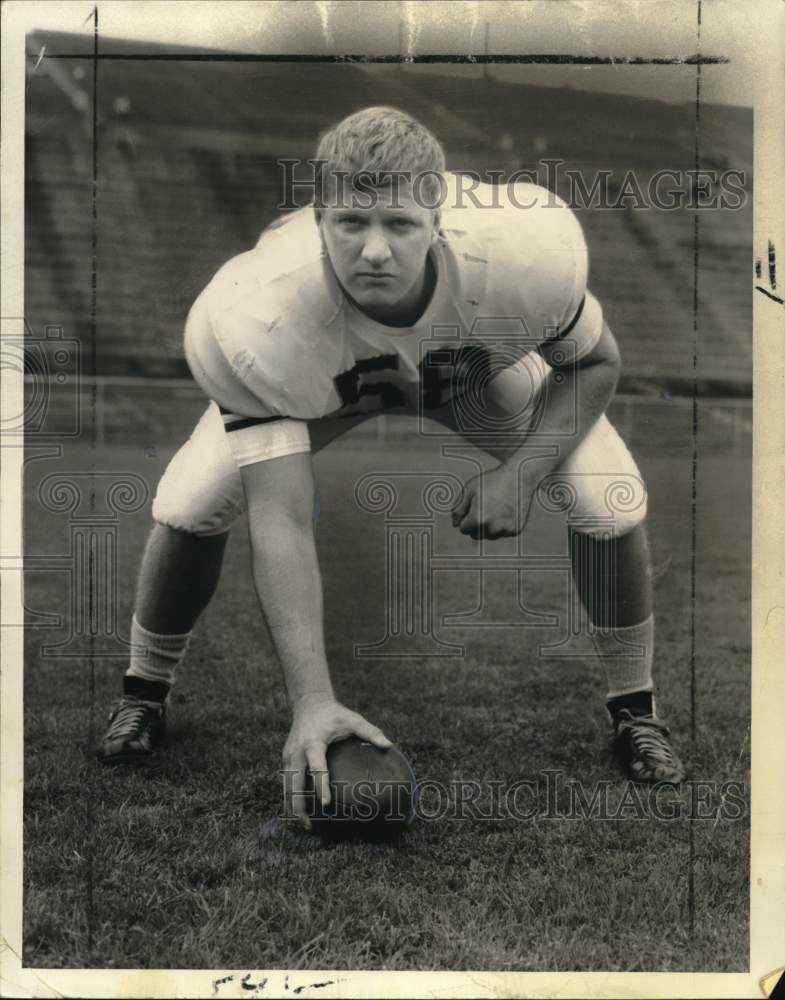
<point x="187" y="176"/>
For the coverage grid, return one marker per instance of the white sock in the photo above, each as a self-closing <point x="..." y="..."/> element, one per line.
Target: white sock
<point x="627" y="655"/>
<point x="155" y="657"/>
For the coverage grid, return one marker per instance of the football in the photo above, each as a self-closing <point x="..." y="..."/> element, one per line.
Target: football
<point x="373" y="791"/>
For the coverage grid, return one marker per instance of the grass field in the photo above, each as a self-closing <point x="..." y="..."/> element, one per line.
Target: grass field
<point x="160" y="869"/>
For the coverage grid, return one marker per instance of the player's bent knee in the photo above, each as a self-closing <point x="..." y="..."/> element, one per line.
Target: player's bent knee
<point x="201" y="491"/>
<point x="195" y="518"/>
<point x="617" y="505"/>
<point x="597" y="503"/>
<point x="599" y="486"/>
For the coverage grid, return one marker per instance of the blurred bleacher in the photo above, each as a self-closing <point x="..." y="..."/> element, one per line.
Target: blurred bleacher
<point x="187" y="173"/>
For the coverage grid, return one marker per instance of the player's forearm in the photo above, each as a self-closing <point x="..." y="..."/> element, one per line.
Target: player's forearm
<point x="289" y="586"/>
<point x="576" y="398"/>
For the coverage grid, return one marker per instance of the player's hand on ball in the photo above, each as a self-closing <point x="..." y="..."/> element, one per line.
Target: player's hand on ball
<point x="491" y="505"/>
<point x="317" y="721"/>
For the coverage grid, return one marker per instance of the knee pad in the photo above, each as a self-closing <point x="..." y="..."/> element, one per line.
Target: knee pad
<point x="599" y="486"/>
<point x="201" y="491"/>
<point x="596" y="503"/>
<point x="199" y="512"/>
<point x="195" y="518"/>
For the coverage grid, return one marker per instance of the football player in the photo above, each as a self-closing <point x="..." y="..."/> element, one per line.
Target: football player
<point x="385" y="295"/>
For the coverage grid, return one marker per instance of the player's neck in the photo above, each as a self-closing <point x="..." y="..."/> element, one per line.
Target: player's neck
<point x="408" y="310"/>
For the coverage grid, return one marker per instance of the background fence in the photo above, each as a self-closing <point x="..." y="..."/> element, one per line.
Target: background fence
<point x="160" y="413"/>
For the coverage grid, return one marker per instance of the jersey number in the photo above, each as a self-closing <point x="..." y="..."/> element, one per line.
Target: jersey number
<point x="444" y="373"/>
<point x="450" y="372"/>
<point x="351" y="384"/>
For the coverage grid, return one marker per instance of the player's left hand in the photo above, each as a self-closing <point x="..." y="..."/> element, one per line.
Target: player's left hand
<point x="492" y="505"/>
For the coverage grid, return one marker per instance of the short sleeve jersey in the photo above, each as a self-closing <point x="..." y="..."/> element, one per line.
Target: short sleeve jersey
<point x="273" y="334"/>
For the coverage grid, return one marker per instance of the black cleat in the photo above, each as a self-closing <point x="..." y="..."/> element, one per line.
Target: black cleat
<point x="135" y="729"/>
<point x="642" y="746"/>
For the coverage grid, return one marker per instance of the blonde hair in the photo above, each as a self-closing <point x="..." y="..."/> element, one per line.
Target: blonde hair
<point x="377" y="144"/>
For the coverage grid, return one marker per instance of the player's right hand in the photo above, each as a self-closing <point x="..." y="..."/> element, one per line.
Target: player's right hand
<point x="318" y="720"/>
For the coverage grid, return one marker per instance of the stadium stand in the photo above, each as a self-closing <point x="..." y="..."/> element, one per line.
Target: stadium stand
<point x="187" y="175"/>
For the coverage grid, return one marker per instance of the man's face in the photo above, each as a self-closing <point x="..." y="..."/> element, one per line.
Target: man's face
<point x="378" y="253"/>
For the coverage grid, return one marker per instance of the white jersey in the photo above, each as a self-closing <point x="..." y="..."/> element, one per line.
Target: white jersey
<point x="273" y="335"/>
